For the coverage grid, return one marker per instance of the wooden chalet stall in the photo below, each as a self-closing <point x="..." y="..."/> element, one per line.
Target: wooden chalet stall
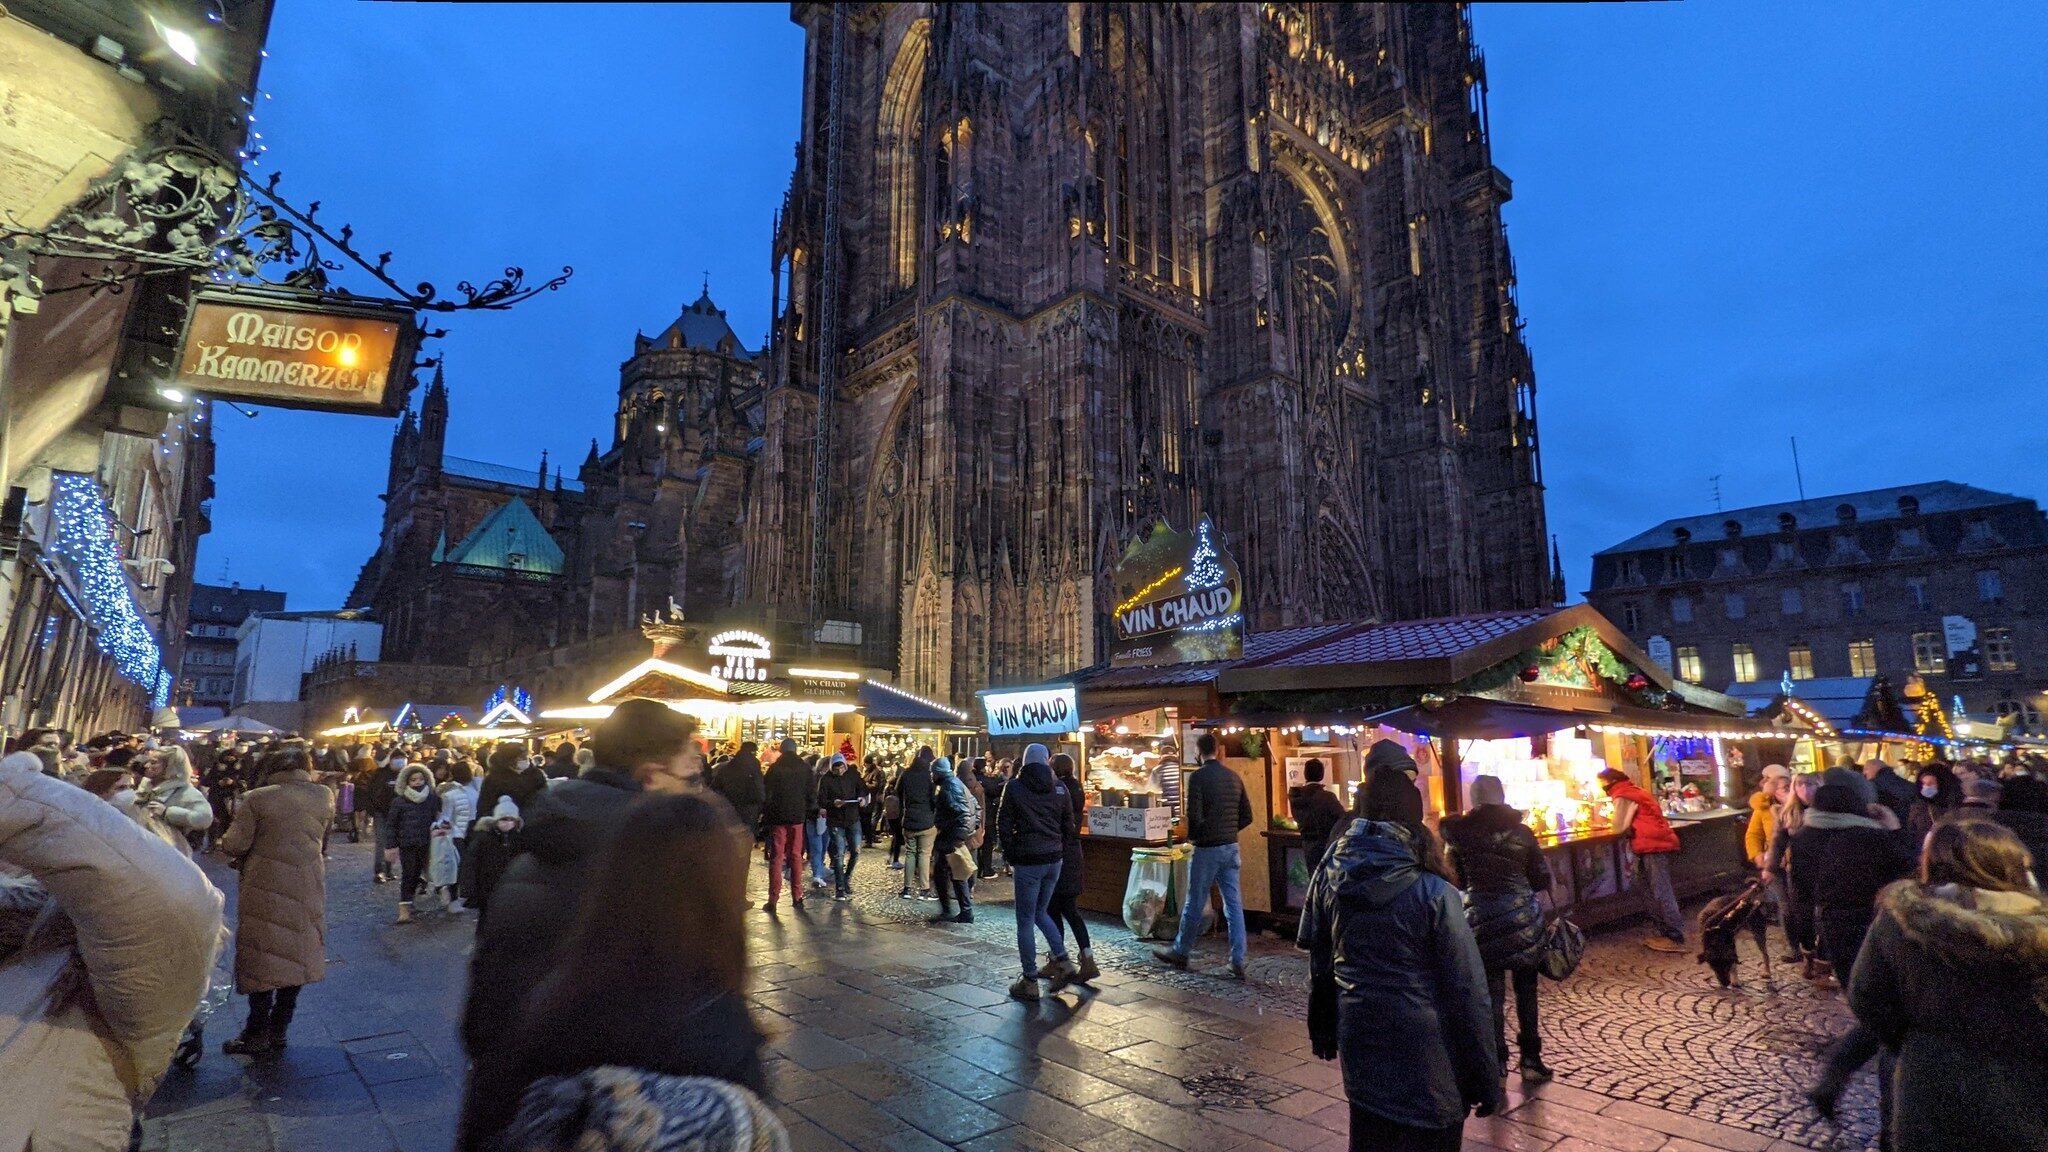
<point x="1542" y="699"/>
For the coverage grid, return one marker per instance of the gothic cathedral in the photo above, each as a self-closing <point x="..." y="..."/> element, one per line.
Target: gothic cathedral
<point x="1047" y="272"/>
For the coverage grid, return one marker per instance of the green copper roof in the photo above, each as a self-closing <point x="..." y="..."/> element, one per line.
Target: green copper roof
<point x="510" y="538"/>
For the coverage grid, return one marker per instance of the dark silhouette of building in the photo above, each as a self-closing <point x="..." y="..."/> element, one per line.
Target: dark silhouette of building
<point x="1055" y="270"/>
<point x="1941" y="580"/>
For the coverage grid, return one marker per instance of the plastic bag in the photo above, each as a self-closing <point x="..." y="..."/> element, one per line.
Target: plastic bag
<point x="1148" y="894"/>
<point x="444" y="862"/>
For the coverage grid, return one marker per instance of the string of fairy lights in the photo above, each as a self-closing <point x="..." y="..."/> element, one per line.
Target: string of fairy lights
<point x="84" y="537"/>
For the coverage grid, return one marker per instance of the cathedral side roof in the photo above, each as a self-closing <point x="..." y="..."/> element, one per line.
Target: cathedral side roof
<point x="513" y="539"/>
<point x="703" y="325"/>
<point x="457" y="467"/>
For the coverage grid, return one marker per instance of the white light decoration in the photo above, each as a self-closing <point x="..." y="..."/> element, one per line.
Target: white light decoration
<point x="746" y="654"/>
<point x="666" y="668"/>
<point x="84" y="538"/>
<point x="947" y="709"/>
<point x="1203" y="570"/>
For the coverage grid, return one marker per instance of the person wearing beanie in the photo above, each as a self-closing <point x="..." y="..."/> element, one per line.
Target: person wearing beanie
<point x="1035" y="823"/>
<point x="1981" y="794"/>
<point x="1638" y="816"/>
<point x="493" y="842"/>
<point x="1217" y="810"/>
<point x="957" y="818"/>
<point x="2023" y="809"/>
<point x="643" y="746"/>
<point x="787" y="799"/>
<point x="1497" y="860"/>
<point x="840" y="798"/>
<point x="1764" y="805"/>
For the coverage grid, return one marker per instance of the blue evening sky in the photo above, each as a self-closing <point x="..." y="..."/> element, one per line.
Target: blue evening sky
<point x="1734" y="223"/>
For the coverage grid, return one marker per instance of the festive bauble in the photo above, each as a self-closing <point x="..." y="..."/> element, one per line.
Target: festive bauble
<point x="1638" y="682"/>
<point x="1530" y="674"/>
<point x="1433" y="700"/>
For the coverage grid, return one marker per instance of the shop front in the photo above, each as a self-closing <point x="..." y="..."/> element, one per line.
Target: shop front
<point x="1542" y="700"/>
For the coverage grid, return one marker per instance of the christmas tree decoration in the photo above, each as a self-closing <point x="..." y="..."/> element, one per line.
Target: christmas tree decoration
<point x="1203" y="570"/>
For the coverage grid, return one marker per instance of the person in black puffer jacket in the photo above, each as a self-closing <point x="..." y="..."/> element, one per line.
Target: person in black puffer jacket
<point x="1497" y="859"/>
<point x="919" y="815"/>
<point x="1066" y="895"/>
<point x="1317" y="814"/>
<point x="788" y="797"/>
<point x="739" y="781"/>
<point x="1035" y="823"/>
<point x="2023" y="808"/>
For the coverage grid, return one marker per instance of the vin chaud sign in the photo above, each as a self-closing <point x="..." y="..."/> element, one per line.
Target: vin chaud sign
<point x="295" y="353"/>
<point x="1180" y="599"/>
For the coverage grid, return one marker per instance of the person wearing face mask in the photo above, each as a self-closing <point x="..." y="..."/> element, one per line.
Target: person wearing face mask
<point x="1940" y="793"/>
<point x="643" y="746"/>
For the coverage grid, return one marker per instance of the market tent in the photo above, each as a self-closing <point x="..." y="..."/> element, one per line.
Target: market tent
<point x="237" y="724"/>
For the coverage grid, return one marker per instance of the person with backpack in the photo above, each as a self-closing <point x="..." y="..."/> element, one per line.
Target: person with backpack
<point x="958" y="818"/>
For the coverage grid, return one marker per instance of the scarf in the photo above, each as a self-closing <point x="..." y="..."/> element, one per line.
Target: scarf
<point x="630" y="1110"/>
<point x="416" y="793"/>
<point x="1815" y="818"/>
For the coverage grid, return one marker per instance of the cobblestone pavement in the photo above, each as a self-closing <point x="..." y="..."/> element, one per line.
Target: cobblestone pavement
<point x="885" y="1032"/>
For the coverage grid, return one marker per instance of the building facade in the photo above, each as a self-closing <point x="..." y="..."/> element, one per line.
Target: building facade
<point x="214" y="615"/>
<point x="479" y="562"/>
<point x="1048" y="272"/>
<point x="1941" y="580"/>
<point x="275" y="650"/>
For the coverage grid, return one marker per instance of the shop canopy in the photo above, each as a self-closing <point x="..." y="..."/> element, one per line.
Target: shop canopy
<point x="1479" y="718"/>
<point x="237" y="724"/>
<point x="889" y="706"/>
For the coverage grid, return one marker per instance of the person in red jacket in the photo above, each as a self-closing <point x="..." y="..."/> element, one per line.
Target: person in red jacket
<point x="1637" y="814"/>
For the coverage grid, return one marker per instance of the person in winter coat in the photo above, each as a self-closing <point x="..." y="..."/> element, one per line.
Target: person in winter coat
<point x="739" y="781"/>
<point x="840" y="798"/>
<point x="651" y="976"/>
<point x="914" y="800"/>
<point x="1217" y="810"/>
<point x="987" y="780"/>
<point x="1893" y="790"/>
<point x="458" y="812"/>
<point x="1940" y="793"/>
<point x="107" y="939"/>
<point x="788" y="799"/>
<point x="1764" y="805"/>
<point x="493" y="841"/>
<point x="1651" y="837"/>
<point x="1496" y="858"/>
<point x="1954" y="978"/>
<point x="643" y="746"/>
<point x="1035" y="823"/>
<point x="1799" y="931"/>
<point x="375" y="798"/>
<point x="2023" y="809"/>
<point x="1066" y="894"/>
<point x="1317" y="812"/>
<point x="871" y="816"/>
<point x="414" y="813"/>
<point x="957" y="818"/>
<point x="169" y="795"/>
<point x="277" y="841"/>
<point x="507" y="773"/>
<point x="1398" y="993"/>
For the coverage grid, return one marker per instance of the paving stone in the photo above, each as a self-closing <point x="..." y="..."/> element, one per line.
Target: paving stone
<point x="1698" y="1131"/>
<point x="1051" y="1117"/>
<point x="1614" y="1135"/>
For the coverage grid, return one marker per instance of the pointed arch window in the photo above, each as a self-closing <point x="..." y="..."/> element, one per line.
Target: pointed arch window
<point x="901" y="128"/>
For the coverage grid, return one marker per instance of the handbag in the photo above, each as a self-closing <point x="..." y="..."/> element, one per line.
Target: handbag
<point x="960" y="862"/>
<point x="1564" y="944"/>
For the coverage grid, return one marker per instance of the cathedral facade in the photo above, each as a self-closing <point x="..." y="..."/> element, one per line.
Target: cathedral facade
<point x="1046" y="273"/>
<point x="480" y="562"/>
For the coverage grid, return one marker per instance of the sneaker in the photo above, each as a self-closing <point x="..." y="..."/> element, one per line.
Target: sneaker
<point x="382" y="878"/>
<point x="966" y="916"/>
<point x="1060" y="972"/>
<point x="458" y="905"/>
<point x="247" y="1045"/>
<point x="926" y="894"/>
<point x="1170" y="958"/>
<point x="1025" y="989"/>
<point x="769" y="907"/>
<point x="404" y="912"/>
<point x="817" y="885"/>
<point x="895" y="865"/>
<point x="1534" y="1071"/>
<point x="903" y="895"/>
<point x="842" y="895"/>
<point x="1664" y="944"/>
<point x="1087" y="970"/>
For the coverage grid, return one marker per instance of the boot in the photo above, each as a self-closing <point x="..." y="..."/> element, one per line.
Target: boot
<point x="190" y="1047"/>
<point x="1025" y="989"/>
<point x="405" y="911"/>
<point x="1088" y="970"/>
<point x="247" y="1045"/>
<point x="1534" y="1071"/>
<point x="281" y="1021"/>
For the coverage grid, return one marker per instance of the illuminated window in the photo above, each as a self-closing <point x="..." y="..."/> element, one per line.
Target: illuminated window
<point x="1681" y="609"/>
<point x="1745" y="664"/>
<point x="1862" y="658"/>
<point x="1852" y="599"/>
<point x="1689" y="663"/>
<point x="1799" y="661"/>
<point x="1930" y="654"/>
<point x="1998" y="650"/>
<point x="1790" y="602"/>
<point x="1736" y="606"/>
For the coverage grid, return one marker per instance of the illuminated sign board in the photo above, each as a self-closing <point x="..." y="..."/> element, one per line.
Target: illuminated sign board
<point x="745" y="655"/>
<point x="1047" y="710"/>
<point x="1179" y="599"/>
<point x="298" y="354"/>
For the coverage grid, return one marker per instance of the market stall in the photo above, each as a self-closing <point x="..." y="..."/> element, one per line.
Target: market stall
<point x="893" y="723"/>
<point x="1544" y="700"/>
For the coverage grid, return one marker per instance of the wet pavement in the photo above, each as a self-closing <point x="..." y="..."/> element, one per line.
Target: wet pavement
<point x="887" y="1032"/>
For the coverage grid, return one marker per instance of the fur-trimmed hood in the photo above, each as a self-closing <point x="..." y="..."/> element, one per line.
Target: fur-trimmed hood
<point x="1974" y="926"/>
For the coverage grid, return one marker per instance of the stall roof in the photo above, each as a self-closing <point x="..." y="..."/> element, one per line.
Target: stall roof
<point x="1442" y="650"/>
<point x="1257" y="646"/>
<point x="888" y="705"/>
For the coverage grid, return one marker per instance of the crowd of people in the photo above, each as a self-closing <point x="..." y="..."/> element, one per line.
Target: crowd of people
<point x="609" y="887"/>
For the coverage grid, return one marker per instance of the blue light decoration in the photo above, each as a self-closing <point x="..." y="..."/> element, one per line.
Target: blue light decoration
<point x="84" y="538"/>
<point x="1203" y="570"/>
<point x="496" y="699"/>
<point x="522" y="700"/>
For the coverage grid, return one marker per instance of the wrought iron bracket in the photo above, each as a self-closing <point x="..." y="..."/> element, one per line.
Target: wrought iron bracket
<point x="181" y="207"/>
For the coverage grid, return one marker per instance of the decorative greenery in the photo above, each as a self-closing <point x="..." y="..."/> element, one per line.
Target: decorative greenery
<point x="1555" y="661"/>
<point x="1254" y="743"/>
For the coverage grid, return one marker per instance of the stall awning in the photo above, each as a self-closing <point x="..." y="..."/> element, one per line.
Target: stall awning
<point x="893" y="707"/>
<point x="1479" y="718"/>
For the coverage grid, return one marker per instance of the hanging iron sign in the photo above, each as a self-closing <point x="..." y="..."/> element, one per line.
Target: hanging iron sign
<point x="296" y="352"/>
<point x="1180" y="599"/>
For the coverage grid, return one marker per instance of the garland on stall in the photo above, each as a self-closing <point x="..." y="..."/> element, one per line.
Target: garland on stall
<point x="1581" y="645"/>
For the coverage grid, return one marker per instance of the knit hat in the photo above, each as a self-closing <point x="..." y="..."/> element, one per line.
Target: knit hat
<point x="1777" y="772"/>
<point x="788" y="746"/>
<point x="1850" y="778"/>
<point x="505" y="809"/>
<point x="1036" y="754"/>
<point x="941" y="766"/>
<point x="1837" y="798"/>
<point x="1385" y="753"/>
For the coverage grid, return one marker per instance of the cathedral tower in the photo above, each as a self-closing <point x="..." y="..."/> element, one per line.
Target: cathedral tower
<point x="1046" y="272"/>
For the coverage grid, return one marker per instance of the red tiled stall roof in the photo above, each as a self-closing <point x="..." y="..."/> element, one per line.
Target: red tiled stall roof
<point x="1404" y="640"/>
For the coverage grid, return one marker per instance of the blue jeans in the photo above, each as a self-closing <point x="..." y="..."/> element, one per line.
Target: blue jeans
<point x="1212" y="867"/>
<point x="814" y="843"/>
<point x="1653" y="872"/>
<point x="1035" y="883"/>
<point x="845" y="849"/>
